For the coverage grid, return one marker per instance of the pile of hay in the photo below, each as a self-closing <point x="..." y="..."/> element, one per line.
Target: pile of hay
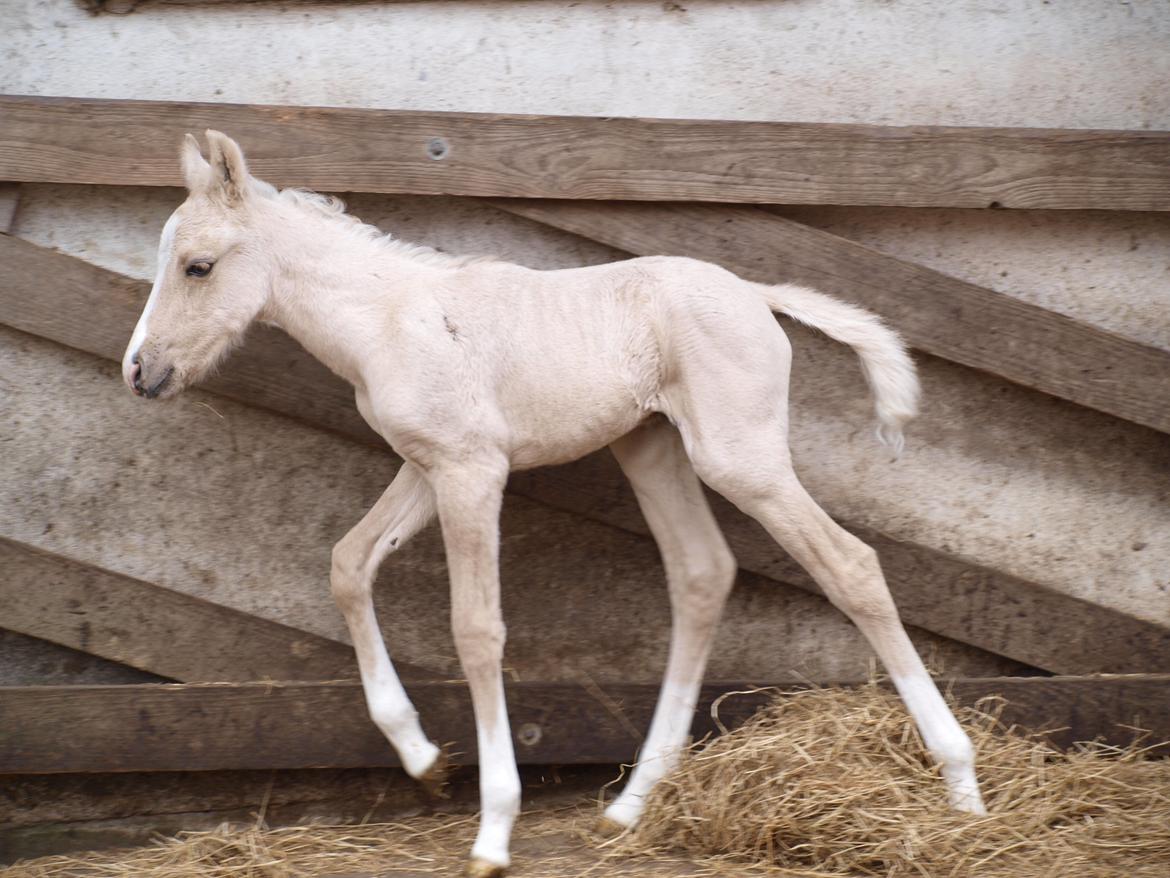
<point x="831" y="782"/>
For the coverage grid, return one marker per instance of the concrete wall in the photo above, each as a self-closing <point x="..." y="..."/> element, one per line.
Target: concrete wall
<point x="242" y="508"/>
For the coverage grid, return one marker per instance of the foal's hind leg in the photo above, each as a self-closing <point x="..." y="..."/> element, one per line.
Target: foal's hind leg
<point x="752" y="469"/>
<point x="405" y="508"/>
<point x="700" y="570"/>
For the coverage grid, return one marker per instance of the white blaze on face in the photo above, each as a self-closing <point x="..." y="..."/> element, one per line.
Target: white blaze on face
<point x="166" y="245"/>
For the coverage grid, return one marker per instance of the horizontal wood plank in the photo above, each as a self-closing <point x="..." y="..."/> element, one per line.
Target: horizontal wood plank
<point x="936" y="313"/>
<point x="95" y="310"/>
<point x="159" y="630"/>
<point x="191" y="727"/>
<point x="134" y="143"/>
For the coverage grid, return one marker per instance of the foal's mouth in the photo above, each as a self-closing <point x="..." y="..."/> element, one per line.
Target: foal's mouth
<point x="159" y="386"/>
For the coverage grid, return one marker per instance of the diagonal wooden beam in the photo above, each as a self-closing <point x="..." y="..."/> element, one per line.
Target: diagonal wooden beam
<point x="133" y="143"/>
<point x="935" y="312"/>
<point x="9" y="201"/>
<point x="317" y="725"/>
<point x="158" y="630"/>
<point x="89" y="308"/>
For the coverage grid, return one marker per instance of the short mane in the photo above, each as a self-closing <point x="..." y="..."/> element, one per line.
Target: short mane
<point x="333" y="208"/>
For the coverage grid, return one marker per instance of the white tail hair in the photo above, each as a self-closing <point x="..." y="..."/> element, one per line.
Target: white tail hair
<point x="884" y="359"/>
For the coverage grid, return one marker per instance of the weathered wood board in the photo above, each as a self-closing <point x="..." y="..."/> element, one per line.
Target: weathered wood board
<point x="187" y="727"/>
<point x="121" y="142"/>
<point x="936" y="313"/>
<point x="159" y="630"/>
<point x="9" y="201"/>
<point x="94" y="310"/>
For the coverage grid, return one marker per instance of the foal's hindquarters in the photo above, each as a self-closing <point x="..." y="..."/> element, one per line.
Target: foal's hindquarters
<point x="723" y="406"/>
<point x="737" y="443"/>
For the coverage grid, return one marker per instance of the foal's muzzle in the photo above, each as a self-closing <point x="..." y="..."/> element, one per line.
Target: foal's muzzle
<point x="142" y="384"/>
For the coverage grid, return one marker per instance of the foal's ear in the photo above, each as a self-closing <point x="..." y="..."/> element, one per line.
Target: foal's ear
<point x="229" y="172"/>
<point x="196" y="171"/>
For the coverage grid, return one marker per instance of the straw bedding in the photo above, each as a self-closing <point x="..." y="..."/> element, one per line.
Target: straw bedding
<point x="835" y="782"/>
<point x="823" y="784"/>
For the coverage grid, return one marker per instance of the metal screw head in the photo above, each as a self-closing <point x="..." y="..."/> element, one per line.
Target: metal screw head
<point x="438" y="148"/>
<point x="529" y="734"/>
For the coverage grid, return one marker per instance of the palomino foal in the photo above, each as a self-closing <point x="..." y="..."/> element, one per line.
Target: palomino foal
<point x="471" y="369"/>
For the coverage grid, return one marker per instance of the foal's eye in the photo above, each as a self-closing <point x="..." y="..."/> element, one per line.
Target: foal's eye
<point x="199" y="269"/>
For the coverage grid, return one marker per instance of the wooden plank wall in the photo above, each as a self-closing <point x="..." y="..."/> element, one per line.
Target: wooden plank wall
<point x="305" y="725"/>
<point x="95" y="310"/>
<point x="132" y="143"/>
<point x="527" y="164"/>
<point x="9" y="201"/>
<point x="67" y="140"/>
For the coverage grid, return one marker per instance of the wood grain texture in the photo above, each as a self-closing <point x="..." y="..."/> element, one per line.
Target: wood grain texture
<point x="95" y="310"/>
<point x="936" y="313"/>
<point x="188" y="727"/>
<point x="9" y="201"/>
<point x="158" y="630"/>
<point x="76" y="140"/>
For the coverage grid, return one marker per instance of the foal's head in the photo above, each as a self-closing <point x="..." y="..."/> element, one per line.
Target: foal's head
<point x="213" y="276"/>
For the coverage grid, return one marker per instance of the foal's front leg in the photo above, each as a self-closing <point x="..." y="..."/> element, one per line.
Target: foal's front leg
<point x="469" y="498"/>
<point x="405" y="508"/>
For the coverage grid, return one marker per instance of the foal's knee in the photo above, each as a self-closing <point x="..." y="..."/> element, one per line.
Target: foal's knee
<point x="479" y="643"/>
<point x="702" y="584"/>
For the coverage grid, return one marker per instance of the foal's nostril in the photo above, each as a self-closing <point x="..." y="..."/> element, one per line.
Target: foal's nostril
<point x="136" y="376"/>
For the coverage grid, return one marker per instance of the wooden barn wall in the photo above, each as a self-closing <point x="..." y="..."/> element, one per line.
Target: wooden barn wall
<point x="221" y="501"/>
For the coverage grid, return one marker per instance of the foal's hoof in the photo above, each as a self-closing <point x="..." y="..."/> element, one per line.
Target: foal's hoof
<point x="607" y="827"/>
<point x="477" y="868"/>
<point x="434" y="779"/>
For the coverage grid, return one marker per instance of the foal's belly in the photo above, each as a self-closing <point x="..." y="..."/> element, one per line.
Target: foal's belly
<point x="567" y="429"/>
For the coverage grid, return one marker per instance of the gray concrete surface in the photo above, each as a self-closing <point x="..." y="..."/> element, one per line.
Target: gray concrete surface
<point x="1078" y="63"/>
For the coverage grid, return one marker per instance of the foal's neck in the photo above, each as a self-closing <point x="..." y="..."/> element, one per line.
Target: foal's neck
<point x="338" y="291"/>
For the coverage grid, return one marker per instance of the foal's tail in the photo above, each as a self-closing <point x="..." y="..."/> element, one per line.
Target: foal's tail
<point x="884" y="360"/>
